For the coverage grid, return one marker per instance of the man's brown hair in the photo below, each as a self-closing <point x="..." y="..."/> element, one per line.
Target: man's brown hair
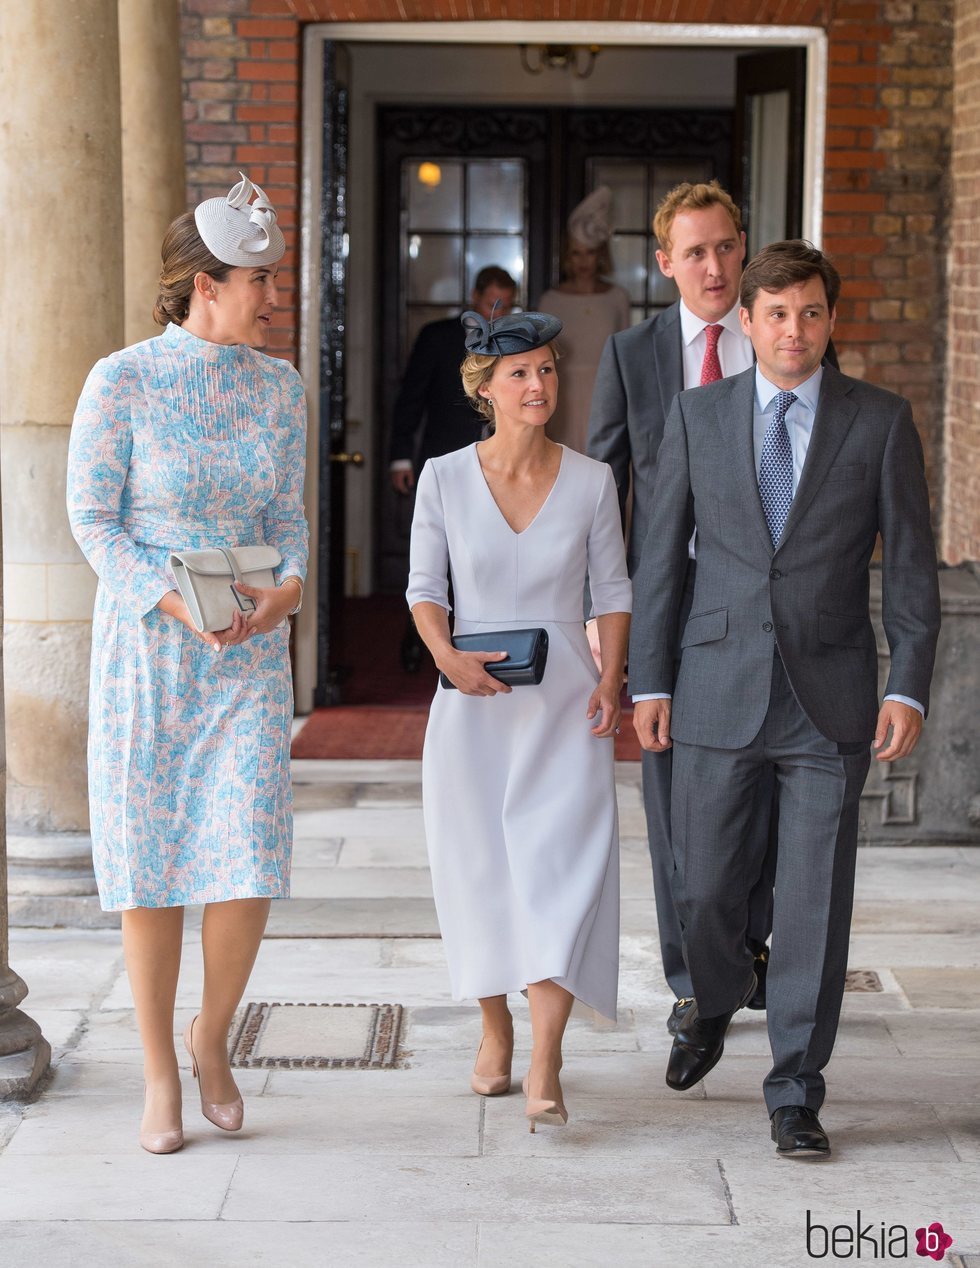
<point x="688" y="197"/>
<point x="785" y="264"/>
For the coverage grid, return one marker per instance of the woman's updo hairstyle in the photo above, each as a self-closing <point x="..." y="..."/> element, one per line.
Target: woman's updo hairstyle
<point x="184" y="255"/>
<point x="476" y="371"/>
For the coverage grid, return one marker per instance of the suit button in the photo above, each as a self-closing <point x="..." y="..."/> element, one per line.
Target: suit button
<point x="775" y="574"/>
<point x="767" y="626"/>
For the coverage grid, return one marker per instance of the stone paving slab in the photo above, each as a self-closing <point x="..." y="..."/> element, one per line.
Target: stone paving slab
<point x="945" y="987"/>
<point x="132" y="1184"/>
<point x="354" y="918"/>
<point x="327" y="1121"/>
<point x="608" y="1126"/>
<point x="962" y="1126"/>
<point x="893" y="1192"/>
<point x="922" y="1032"/>
<point x="935" y="1080"/>
<point x="381" y="1188"/>
<point x="361" y="882"/>
<point x="650" y="1245"/>
<point x="893" y="917"/>
<point x="223" y="1244"/>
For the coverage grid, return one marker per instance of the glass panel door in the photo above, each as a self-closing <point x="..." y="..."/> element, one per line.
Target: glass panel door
<point x="457" y="216"/>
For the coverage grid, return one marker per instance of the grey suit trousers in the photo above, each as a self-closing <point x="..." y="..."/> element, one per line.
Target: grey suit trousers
<point x="656" y="769"/>
<point x="819" y="787"/>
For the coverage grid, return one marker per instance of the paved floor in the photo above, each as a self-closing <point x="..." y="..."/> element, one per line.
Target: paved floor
<point x="407" y="1167"/>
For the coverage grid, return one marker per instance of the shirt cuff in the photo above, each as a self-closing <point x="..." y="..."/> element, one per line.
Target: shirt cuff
<point x="651" y="695"/>
<point x="908" y="700"/>
<point x="400" y="464"/>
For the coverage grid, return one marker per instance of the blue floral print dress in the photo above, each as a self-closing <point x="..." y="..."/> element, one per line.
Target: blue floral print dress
<point x="182" y="444"/>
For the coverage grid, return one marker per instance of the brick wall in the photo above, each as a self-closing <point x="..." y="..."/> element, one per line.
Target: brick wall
<point x="889" y="120"/>
<point x="961" y="523"/>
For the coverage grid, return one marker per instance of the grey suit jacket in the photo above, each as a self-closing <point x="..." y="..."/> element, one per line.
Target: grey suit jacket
<point x="640" y="372"/>
<point x="863" y="476"/>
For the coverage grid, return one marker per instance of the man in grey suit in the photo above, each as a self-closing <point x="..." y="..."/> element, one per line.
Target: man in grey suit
<point x="789" y="472"/>
<point x="696" y="340"/>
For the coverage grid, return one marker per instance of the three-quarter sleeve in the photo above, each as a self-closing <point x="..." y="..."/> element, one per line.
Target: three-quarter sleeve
<point x="284" y="517"/>
<point x="98" y="466"/>
<point x="428" y="580"/>
<point x="609" y="582"/>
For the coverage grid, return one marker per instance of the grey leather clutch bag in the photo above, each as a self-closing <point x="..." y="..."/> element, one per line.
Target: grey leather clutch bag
<point x="206" y="580"/>
<point x="527" y="655"/>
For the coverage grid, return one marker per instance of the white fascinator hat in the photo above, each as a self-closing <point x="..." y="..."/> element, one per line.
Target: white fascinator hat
<point x="590" y="222"/>
<point x="240" y="231"/>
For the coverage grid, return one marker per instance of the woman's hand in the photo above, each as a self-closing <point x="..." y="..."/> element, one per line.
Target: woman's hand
<point x="272" y="605"/>
<point x="605" y="701"/>
<point x="465" y="671"/>
<point x="173" y="605"/>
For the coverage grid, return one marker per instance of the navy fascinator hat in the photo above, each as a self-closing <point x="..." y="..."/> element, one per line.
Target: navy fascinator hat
<point x="503" y="336"/>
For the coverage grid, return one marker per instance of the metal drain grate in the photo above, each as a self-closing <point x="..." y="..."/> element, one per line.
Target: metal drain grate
<point x="862" y="980"/>
<point x="318" y="1037"/>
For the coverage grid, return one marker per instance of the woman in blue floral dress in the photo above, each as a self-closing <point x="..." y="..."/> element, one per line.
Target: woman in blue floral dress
<point x="192" y="440"/>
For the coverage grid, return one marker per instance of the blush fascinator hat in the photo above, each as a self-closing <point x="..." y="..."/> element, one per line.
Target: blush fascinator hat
<point x="240" y="229"/>
<point x="505" y="336"/>
<point x="590" y="222"/>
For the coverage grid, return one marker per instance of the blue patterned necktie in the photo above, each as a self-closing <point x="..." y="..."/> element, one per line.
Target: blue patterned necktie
<point x="776" y="469"/>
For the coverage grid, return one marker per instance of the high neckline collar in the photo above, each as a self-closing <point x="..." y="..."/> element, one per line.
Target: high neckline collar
<point x="203" y="349"/>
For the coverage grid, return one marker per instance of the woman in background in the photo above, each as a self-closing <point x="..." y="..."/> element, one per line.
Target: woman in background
<point x="192" y="440"/>
<point x="590" y="309"/>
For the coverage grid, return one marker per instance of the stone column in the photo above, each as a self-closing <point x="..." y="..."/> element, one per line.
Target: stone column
<point x="24" y="1052"/>
<point x="61" y="299"/>
<point x="154" y="188"/>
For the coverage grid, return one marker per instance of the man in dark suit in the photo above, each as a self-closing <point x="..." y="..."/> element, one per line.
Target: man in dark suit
<point x="695" y="341"/>
<point x="789" y="472"/>
<point x="432" y="414"/>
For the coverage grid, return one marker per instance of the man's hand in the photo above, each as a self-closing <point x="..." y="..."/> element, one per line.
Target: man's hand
<point x="651" y="722"/>
<point x="402" y="479"/>
<point x="906" y="727"/>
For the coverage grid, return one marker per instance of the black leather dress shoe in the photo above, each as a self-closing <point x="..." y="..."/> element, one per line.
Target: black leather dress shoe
<point x="760" y="967"/>
<point x="698" y="1044"/>
<point x="798" y="1134"/>
<point x="677" y="1014"/>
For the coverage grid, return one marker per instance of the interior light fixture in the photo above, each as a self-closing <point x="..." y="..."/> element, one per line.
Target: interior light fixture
<point x="430" y="174"/>
<point x="577" y="58"/>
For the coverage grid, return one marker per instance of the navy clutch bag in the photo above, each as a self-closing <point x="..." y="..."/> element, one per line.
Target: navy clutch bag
<point x="527" y="655"/>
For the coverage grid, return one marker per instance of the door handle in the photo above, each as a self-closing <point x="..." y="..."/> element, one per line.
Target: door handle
<point x="356" y="459"/>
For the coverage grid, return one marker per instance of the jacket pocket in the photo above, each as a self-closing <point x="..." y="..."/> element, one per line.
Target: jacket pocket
<point x="846" y="471"/>
<point x="705" y="627"/>
<point x="845" y="631"/>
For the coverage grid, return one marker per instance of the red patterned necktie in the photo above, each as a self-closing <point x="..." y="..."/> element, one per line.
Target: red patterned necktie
<point x="711" y="366"/>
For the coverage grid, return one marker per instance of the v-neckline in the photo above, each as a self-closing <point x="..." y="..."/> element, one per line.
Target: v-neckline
<point x="537" y="514"/>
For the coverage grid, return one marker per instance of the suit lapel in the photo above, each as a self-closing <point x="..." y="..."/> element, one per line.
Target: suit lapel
<point x="669" y="356"/>
<point x="736" y="413"/>
<point x="835" y="413"/>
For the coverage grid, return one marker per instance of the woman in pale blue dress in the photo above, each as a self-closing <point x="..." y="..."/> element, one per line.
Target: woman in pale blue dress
<point x="518" y="784"/>
<point x="192" y="440"/>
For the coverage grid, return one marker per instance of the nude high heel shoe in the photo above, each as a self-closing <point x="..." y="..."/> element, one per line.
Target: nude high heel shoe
<point x="167" y="1142"/>
<point x="547" y="1113"/>
<point x="230" y="1116"/>
<point x="489" y="1085"/>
